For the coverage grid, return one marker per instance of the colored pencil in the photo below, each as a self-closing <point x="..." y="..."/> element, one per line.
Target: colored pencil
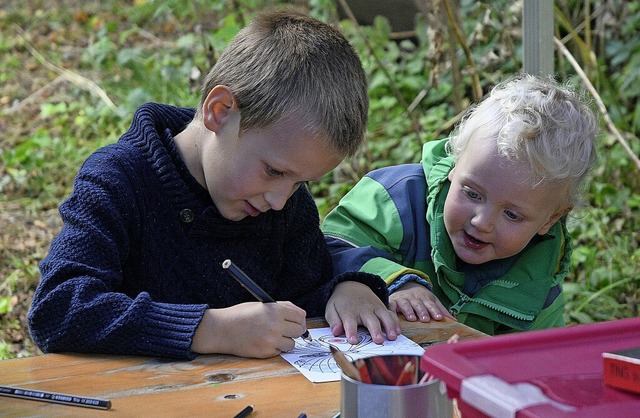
<point x="387" y="376"/>
<point x="245" y="412"/>
<point x="52" y="397"/>
<point x="253" y="287"/>
<point x="427" y="377"/>
<point x="347" y="367"/>
<point x="363" y="370"/>
<point x="407" y="374"/>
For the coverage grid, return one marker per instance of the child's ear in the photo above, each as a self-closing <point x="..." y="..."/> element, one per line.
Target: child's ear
<point x="217" y="107"/>
<point x="554" y="218"/>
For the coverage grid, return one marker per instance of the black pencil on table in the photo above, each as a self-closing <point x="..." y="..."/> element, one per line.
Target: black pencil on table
<point x="252" y="287"/>
<point x="246" y="411"/>
<point x="52" y="397"/>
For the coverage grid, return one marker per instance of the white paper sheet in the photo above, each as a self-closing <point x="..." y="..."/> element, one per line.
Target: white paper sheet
<point x="315" y="361"/>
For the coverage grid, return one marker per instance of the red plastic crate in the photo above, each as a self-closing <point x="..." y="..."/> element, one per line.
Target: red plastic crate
<point x="560" y="368"/>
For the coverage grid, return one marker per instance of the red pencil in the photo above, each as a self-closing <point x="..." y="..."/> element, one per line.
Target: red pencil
<point x="364" y="372"/>
<point x="380" y="365"/>
<point x="407" y="375"/>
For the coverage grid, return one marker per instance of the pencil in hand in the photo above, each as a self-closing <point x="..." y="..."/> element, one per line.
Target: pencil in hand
<point x="253" y="287"/>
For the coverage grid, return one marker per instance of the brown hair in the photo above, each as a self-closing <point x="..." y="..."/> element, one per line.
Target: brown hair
<point x="286" y="63"/>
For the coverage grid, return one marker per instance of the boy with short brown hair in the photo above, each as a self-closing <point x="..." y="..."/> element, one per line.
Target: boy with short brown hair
<point x="137" y="268"/>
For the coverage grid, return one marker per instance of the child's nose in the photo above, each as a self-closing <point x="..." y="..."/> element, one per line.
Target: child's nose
<point x="483" y="220"/>
<point x="277" y="197"/>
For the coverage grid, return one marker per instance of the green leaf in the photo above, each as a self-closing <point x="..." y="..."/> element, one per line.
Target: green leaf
<point x="5" y="305"/>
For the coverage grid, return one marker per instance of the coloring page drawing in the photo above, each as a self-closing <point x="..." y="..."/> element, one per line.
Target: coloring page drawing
<point x="315" y="361"/>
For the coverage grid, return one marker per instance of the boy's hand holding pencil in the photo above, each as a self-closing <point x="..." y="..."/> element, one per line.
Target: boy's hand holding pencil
<point x="253" y="288"/>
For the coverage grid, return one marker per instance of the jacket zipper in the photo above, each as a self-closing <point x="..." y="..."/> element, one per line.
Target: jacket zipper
<point x="464" y="299"/>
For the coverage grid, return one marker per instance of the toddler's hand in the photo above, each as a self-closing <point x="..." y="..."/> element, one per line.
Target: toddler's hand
<point x="353" y="304"/>
<point x="415" y="301"/>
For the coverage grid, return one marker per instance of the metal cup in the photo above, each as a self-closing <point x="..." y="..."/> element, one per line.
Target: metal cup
<point x="379" y="400"/>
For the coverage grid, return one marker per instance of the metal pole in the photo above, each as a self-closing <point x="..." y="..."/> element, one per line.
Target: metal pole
<point x="537" y="36"/>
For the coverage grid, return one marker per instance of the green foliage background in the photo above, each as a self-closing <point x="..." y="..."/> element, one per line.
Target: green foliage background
<point x="72" y="73"/>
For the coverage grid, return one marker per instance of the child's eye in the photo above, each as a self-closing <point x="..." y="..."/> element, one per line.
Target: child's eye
<point x="512" y="215"/>
<point x="471" y="194"/>
<point x="273" y="172"/>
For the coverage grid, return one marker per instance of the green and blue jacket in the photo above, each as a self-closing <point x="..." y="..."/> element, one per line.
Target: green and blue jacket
<point x="391" y="224"/>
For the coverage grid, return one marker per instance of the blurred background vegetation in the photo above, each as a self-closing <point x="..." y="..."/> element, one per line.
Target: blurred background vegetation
<point x="73" y="72"/>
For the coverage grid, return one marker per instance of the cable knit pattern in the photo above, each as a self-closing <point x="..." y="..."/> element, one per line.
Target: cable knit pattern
<point x="138" y="260"/>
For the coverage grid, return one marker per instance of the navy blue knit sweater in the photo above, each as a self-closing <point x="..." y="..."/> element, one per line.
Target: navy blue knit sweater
<point x="138" y="260"/>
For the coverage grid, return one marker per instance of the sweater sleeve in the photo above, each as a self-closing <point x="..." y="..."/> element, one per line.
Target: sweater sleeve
<point x="79" y="304"/>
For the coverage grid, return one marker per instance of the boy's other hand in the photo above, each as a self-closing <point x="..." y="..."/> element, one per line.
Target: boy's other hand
<point x="415" y="301"/>
<point x="251" y="329"/>
<point x="353" y="304"/>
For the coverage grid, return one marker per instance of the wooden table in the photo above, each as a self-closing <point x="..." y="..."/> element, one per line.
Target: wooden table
<point x="209" y="386"/>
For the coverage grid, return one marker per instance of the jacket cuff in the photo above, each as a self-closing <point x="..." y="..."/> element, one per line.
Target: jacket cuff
<point x="406" y="279"/>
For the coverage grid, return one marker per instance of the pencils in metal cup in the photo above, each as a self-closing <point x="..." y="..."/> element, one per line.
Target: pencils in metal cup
<point x="52" y="397"/>
<point x="252" y="287"/>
